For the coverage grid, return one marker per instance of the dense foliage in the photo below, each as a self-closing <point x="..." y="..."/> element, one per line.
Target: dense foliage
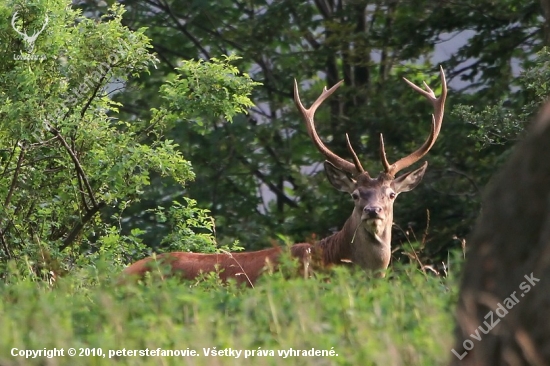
<point x="70" y="163"/>
<point x="351" y="315"/>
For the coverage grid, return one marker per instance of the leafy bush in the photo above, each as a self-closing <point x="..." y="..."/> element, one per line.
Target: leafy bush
<point x="505" y="123"/>
<point x="69" y="164"/>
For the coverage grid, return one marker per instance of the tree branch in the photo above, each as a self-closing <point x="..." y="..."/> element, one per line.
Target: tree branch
<point x="264" y="179"/>
<point x="79" y="225"/>
<point x="78" y="167"/>
<point x="15" y="175"/>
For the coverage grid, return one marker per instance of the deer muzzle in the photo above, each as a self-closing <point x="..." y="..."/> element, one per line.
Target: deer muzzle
<point x="373" y="219"/>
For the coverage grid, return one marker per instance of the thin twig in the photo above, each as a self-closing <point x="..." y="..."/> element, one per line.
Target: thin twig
<point x="79" y="225"/>
<point x="11" y="156"/>
<point x="81" y="191"/>
<point x="425" y="236"/>
<point x="241" y="267"/>
<point x="77" y="165"/>
<point x="15" y="176"/>
<point x="5" y="245"/>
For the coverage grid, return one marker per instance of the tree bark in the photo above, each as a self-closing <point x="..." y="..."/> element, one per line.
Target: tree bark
<point x="504" y="302"/>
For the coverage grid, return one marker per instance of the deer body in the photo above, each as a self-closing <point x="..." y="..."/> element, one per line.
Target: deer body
<point x="365" y="239"/>
<point x="244" y="267"/>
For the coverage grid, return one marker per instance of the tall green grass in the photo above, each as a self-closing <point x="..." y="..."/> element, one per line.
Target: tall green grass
<point x="405" y="319"/>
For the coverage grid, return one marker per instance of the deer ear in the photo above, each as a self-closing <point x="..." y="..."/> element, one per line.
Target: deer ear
<point x="339" y="179"/>
<point x="410" y="180"/>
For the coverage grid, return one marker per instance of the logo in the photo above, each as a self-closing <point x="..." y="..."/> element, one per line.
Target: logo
<point x="28" y="39"/>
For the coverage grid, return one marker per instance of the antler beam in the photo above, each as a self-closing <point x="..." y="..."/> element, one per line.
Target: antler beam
<point x="308" y="115"/>
<point x="437" y="119"/>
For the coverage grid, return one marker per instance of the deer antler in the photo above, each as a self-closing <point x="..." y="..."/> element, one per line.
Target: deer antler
<point x="30" y="40"/>
<point x="36" y="34"/>
<point x="13" y="19"/>
<point x="437" y="119"/>
<point x="309" y="114"/>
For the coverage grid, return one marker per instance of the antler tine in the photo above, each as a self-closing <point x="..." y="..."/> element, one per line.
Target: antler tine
<point x="308" y="115"/>
<point x="46" y="20"/>
<point x="383" y="155"/>
<point x="356" y="161"/>
<point x="13" y="19"/>
<point x="437" y="118"/>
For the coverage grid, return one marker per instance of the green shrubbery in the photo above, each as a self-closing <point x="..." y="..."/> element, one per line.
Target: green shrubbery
<point x="405" y="319"/>
<point x="71" y="164"/>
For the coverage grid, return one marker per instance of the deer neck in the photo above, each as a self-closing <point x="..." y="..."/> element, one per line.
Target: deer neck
<point x="355" y="243"/>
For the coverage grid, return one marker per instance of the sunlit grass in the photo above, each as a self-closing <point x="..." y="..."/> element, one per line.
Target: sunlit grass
<point x="405" y="319"/>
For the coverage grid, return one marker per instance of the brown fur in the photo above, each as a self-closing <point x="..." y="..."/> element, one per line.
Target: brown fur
<point x="245" y="267"/>
<point x="355" y="243"/>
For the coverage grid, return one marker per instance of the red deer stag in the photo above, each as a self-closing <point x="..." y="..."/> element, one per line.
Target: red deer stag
<point x="365" y="238"/>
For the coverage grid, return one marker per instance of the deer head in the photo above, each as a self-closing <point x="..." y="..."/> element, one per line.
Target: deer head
<point x="28" y="39"/>
<point x="372" y="218"/>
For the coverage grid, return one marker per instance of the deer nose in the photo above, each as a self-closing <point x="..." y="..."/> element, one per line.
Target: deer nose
<point x="373" y="211"/>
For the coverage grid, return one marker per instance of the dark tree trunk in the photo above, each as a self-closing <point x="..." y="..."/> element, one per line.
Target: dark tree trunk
<point x="506" y="281"/>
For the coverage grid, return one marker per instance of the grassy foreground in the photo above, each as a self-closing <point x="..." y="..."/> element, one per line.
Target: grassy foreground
<point x="351" y="320"/>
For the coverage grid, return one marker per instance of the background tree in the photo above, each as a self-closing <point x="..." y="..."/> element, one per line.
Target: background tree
<point x="260" y="175"/>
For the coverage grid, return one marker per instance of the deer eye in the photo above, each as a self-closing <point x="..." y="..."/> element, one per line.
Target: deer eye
<point x="393" y="195"/>
<point x="354" y="196"/>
